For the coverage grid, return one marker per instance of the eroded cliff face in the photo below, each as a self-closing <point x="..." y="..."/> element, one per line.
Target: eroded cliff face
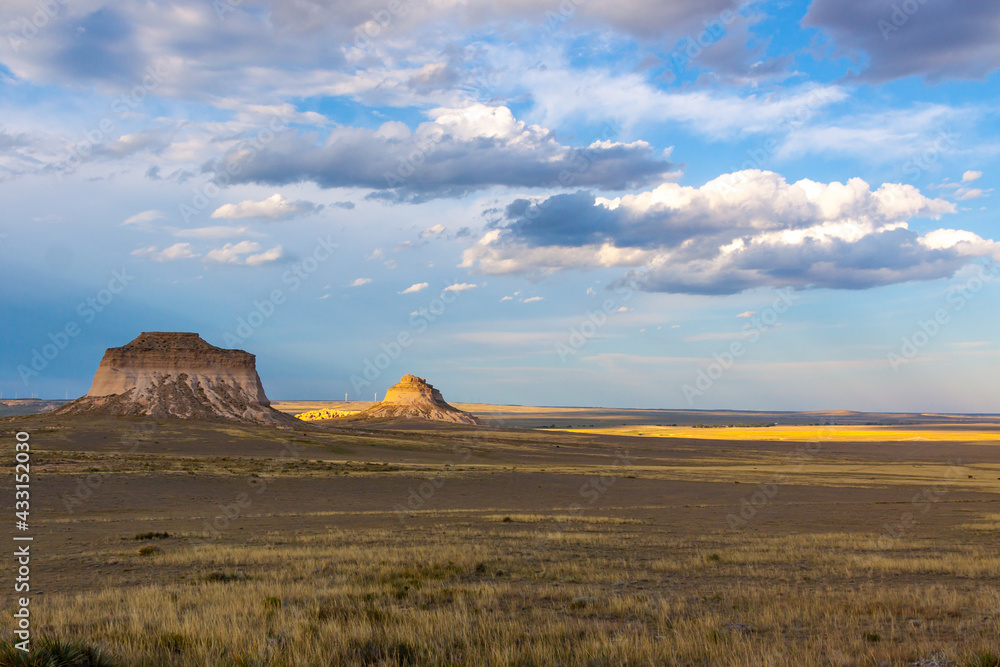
<point x="414" y="398"/>
<point x="168" y="374"/>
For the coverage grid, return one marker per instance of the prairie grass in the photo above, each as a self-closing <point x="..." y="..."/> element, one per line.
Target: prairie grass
<point x="485" y="592"/>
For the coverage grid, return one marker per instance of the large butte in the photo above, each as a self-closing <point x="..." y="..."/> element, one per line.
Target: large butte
<point x="170" y="374"/>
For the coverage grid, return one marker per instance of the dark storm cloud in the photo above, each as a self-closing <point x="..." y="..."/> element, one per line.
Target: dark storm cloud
<point x="935" y="39"/>
<point x="445" y="159"/>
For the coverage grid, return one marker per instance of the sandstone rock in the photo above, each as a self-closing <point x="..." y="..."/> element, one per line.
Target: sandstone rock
<point x="413" y="398"/>
<point x="167" y="374"/>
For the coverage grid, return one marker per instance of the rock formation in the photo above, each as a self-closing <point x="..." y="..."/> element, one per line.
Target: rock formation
<point x="164" y="374"/>
<point x="414" y="398"/>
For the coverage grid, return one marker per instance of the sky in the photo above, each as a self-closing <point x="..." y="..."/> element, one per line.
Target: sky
<point x="696" y="204"/>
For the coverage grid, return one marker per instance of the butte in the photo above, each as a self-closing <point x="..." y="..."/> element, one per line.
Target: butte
<point x="178" y="375"/>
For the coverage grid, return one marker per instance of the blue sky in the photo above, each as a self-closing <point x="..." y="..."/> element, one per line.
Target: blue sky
<point x="747" y="205"/>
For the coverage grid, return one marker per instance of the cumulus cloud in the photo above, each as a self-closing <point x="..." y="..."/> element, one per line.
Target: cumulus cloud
<point x="935" y="40"/>
<point x="274" y="208"/>
<point x="533" y="299"/>
<point x="414" y="288"/>
<point x="169" y="254"/>
<point x="737" y="232"/>
<point x="460" y="287"/>
<point x="244" y="252"/>
<point x="272" y="255"/>
<point x="458" y="151"/>
<point x="436" y="230"/>
<point x="971" y="176"/>
<point x="748" y="313"/>
<point x="358" y="282"/>
<point x="145" y="217"/>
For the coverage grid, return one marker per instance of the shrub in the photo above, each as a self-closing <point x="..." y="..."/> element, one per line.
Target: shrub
<point x="225" y="577"/>
<point x="983" y="659"/>
<point x="56" y="653"/>
<point x="150" y="550"/>
<point x="152" y="535"/>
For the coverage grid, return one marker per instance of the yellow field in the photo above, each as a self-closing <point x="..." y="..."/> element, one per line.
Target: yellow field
<point x="797" y="433"/>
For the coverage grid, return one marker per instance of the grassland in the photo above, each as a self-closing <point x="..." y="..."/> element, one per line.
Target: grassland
<point x="408" y="545"/>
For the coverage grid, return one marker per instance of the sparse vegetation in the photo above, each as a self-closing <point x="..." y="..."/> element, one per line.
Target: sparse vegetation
<point x="489" y="594"/>
<point x="152" y="535"/>
<point x="506" y="562"/>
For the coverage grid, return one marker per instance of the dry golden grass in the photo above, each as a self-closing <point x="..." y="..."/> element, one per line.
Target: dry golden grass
<point x="500" y="567"/>
<point x="485" y="594"/>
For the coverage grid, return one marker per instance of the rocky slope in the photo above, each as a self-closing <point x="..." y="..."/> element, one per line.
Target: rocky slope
<point x="414" y="398"/>
<point x="167" y="374"/>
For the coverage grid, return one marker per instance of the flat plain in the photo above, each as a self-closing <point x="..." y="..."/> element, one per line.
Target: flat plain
<point x="566" y="536"/>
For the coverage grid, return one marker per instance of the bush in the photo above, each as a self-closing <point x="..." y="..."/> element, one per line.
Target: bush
<point x="983" y="659"/>
<point x="56" y="653"/>
<point x="150" y="550"/>
<point x="152" y="535"/>
<point x="225" y="577"/>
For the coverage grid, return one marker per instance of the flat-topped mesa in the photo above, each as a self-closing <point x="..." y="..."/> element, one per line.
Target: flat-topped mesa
<point x="413" y="398"/>
<point x="170" y="374"/>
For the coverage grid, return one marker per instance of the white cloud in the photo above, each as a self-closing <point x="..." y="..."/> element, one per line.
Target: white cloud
<point x="533" y="299"/>
<point x="274" y="208"/>
<point x="748" y="313"/>
<point x="562" y="92"/>
<point x="358" y="282"/>
<point x="506" y="298"/>
<point x="970" y="193"/>
<point x="436" y="230"/>
<point x="271" y="255"/>
<point x="233" y="253"/>
<point x="460" y="287"/>
<point x="414" y="288"/>
<point x="971" y="176"/>
<point x="145" y="217"/>
<point x="891" y="135"/>
<point x="739" y="231"/>
<point x="169" y="254"/>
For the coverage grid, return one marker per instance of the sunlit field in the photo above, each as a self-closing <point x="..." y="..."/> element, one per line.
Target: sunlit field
<point x="800" y="433"/>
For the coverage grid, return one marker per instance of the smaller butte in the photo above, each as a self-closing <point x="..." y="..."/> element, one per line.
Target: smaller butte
<point x="413" y="398"/>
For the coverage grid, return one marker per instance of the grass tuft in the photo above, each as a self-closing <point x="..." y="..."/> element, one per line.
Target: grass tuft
<point x="983" y="659"/>
<point x="56" y="653"/>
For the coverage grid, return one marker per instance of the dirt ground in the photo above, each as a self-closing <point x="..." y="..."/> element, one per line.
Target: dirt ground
<point x="820" y="515"/>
